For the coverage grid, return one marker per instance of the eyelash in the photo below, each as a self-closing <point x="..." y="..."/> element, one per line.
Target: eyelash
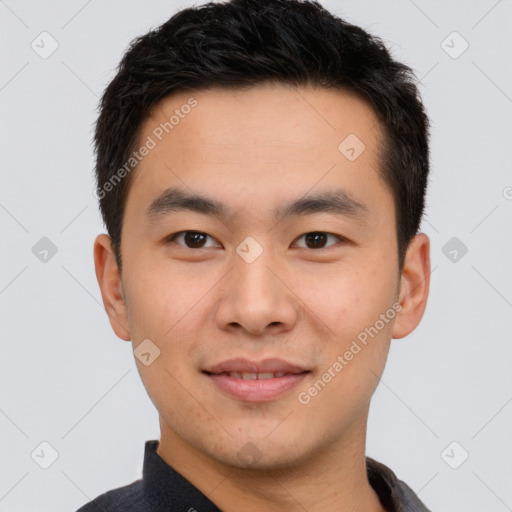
<point x="172" y="238"/>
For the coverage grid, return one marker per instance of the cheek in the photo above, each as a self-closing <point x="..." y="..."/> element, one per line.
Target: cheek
<point x="158" y="298"/>
<point x="166" y="307"/>
<point x="348" y="309"/>
<point x="339" y="302"/>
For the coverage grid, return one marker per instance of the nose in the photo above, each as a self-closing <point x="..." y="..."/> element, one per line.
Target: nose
<point x="256" y="298"/>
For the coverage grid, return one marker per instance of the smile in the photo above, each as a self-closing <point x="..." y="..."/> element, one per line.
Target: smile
<point x="252" y="381"/>
<point x="254" y="376"/>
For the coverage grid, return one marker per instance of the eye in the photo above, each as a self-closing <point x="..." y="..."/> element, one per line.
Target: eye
<point x="197" y="239"/>
<point x="317" y="239"/>
<point x="192" y="239"/>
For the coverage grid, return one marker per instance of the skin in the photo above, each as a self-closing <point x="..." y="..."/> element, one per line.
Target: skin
<point x="254" y="150"/>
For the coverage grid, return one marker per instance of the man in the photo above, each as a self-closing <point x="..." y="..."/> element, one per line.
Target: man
<point x="261" y="171"/>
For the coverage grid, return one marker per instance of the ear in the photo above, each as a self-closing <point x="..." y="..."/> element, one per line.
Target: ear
<point x="414" y="286"/>
<point x="109" y="280"/>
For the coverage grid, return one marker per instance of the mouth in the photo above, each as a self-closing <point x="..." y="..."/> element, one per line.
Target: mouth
<point x="251" y="375"/>
<point x="252" y="381"/>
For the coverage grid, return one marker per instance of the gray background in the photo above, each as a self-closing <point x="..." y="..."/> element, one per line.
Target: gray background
<point x="67" y="380"/>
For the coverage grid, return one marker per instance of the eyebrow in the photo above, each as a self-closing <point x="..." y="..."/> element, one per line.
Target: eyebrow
<point x="337" y="202"/>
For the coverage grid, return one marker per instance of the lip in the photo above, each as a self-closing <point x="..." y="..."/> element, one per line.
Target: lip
<point x="255" y="390"/>
<point x="241" y="365"/>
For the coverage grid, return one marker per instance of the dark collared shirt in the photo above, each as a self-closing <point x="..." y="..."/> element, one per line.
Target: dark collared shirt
<point x="162" y="489"/>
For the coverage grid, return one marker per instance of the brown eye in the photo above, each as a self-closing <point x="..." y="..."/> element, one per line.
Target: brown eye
<point x="191" y="239"/>
<point x="317" y="239"/>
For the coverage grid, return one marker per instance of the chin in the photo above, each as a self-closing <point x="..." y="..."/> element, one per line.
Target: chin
<point x="260" y="454"/>
<point x="263" y="462"/>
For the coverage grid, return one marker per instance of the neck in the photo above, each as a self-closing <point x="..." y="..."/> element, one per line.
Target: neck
<point x="332" y="480"/>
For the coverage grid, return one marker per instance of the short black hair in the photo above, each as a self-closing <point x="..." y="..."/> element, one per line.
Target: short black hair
<point x="244" y="43"/>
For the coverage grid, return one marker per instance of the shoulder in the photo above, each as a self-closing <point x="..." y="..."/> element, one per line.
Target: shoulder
<point x="394" y="494"/>
<point x="129" y="498"/>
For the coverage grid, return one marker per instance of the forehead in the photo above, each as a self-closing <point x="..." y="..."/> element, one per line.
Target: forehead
<point x="262" y="115"/>
<point x="255" y="144"/>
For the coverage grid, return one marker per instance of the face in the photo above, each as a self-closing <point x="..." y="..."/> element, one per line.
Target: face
<point x="270" y="300"/>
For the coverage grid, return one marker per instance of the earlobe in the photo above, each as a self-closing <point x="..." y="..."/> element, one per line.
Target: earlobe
<point x="414" y="286"/>
<point x="109" y="281"/>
